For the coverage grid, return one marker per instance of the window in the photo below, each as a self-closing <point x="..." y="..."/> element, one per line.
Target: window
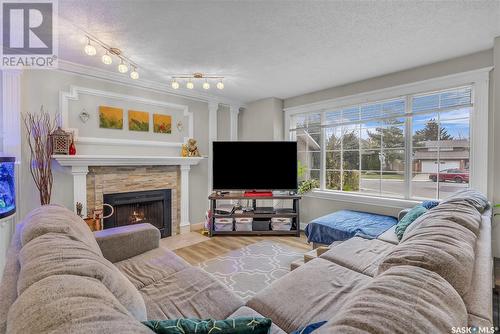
<point x="412" y="147"/>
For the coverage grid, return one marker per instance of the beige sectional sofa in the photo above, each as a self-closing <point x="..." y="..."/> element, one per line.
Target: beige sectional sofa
<point x="61" y="278"/>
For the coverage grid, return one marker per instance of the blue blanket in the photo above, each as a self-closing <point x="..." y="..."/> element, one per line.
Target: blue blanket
<point x="345" y="224"/>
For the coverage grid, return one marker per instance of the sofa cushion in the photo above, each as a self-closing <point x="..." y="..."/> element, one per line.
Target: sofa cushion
<point x="246" y="311"/>
<point x="359" y="254"/>
<point x="322" y="285"/>
<point x="189" y="293"/>
<point x="438" y="245"/>
<point x="389" y="236"/>
<point x="57" y="219"/>
<point x="404" y="299"/>
<point x="57" y="254"/>
<point x="461" y="213"/>
<point x="151" y="267"/>
<point x="471" y="196"/>
<point x="70" y="304"/>
<point x="8" y="283"/>
<point x="478" y="300"/>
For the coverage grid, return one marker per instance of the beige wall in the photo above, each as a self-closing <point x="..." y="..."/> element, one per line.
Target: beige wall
<point x="494" y="141"/>
<point x="261" y="120"/>
<point x="42" y="88"/>
<point x="456" y="65"/>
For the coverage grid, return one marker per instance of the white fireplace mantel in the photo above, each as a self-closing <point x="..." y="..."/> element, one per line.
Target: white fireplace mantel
<point x="80" y="167"/>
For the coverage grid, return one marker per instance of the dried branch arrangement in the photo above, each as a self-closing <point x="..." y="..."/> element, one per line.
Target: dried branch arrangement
<point x="39" y="126"/>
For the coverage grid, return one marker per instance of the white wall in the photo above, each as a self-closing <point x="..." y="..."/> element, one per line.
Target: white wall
<point x="261" y="120"/>
<point x="43" y="87"/>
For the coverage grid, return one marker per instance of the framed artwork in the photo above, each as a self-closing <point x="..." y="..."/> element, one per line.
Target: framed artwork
<point x="162" y="123"/>
<point x="110" y="117"/>
<point x="138" y="120"/>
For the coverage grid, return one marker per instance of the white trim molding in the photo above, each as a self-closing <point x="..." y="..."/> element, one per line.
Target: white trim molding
<point x="74" y="95"/>
<point x="478" y="79"/>
<point x="234" y="111"/>
<point x="11" y="113"/>
<point x="79" y="168"/>
<point x="156" y="86"/>
<point x="213" y="107"/>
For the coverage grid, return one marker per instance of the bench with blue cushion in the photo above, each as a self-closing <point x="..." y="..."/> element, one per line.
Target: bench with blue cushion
<point x="345" y="224"/>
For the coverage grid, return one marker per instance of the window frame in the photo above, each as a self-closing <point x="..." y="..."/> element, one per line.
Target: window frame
<point x="478" y="169"/>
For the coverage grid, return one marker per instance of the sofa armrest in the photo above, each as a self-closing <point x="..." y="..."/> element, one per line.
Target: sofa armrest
<point x="403" y="213"/>
<point x="120" y="243"/>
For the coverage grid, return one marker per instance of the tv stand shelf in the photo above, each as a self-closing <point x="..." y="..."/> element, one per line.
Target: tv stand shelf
<point x="288" y="213"/>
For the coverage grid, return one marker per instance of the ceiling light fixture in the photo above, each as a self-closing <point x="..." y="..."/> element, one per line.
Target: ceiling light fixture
<point x="90" y="49"/>
<point x="122" y="68"/>
<point x="197" y="76"/>
<point x="134" y="74"/>
<point x="106" y="58"/>
<point x="109" y="54"/>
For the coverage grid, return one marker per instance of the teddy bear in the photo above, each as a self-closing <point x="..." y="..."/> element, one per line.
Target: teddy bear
<point x="190" y="149"/>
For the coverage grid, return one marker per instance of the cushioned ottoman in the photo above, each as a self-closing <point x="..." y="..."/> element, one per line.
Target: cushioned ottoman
<point x="345" y="224"/>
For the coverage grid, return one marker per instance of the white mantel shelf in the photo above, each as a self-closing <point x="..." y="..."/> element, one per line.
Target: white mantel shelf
<point x="124" y="160"/>
<point x="80" y="167"/>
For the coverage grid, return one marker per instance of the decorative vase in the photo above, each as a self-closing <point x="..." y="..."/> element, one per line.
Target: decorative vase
<point x="72" y="149"/>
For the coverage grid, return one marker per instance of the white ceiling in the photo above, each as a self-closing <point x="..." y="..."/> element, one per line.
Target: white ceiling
<point x="278" y="48"/>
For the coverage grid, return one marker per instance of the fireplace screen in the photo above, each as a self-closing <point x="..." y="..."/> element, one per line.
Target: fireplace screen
<point x="153" y="207"/>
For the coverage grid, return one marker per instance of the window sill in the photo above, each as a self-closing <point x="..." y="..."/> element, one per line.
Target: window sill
<point x="361" y="199"/>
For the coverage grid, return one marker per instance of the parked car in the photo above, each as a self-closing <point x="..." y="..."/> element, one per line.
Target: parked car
<point x="453" y="174"/>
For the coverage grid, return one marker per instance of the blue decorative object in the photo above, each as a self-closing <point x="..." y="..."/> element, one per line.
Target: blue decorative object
<point x="345" y="224"/>
<point x="430" y="204"/>
<point x="309" y="328"/>
<point x="7" y="187"/>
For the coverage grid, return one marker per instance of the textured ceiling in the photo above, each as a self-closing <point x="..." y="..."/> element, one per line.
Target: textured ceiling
<point x="279" y="48"/>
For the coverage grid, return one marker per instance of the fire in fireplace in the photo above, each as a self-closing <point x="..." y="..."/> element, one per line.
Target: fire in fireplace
<point x="153" y="207"/>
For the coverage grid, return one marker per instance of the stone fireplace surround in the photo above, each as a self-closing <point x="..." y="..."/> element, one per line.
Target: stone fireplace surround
<point x="124" y="179"/>
<point x="94" y="175"/>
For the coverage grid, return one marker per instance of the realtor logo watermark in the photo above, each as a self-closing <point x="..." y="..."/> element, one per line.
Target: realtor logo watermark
<point x="29" y="34"/>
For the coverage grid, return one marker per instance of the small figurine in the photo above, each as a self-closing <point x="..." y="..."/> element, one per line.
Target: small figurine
<point x="184" y="151"/>
<point x="192" y="148"/>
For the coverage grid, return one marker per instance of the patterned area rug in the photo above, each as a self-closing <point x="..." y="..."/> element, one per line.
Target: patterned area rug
<point x="250" y="269"/>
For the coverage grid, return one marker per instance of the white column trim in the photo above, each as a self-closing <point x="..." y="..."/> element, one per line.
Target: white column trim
<point x="234" y="110"/>
<point x="80" y="186"/>
<point x="11" y="125"/>
<point x="212" y="136"/>
<point x="11" y="112"/>
<point x="479" y="136"/>
<point x="185" y="198"/>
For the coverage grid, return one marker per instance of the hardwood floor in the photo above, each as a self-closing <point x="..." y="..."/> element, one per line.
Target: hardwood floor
<point x="219" y="245"/>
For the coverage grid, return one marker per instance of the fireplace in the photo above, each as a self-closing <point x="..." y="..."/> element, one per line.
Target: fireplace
<point x="153" y="207"/>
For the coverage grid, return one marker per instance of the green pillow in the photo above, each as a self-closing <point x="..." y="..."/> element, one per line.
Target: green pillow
<point x="409" y="218"/>
<point x="241" y="325"/>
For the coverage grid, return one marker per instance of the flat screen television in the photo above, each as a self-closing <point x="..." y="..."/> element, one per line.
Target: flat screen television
<point x="7" y="187"/>
<point x="254" y="165"/>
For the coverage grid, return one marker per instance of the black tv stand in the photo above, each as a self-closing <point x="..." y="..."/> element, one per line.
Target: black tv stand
<point x="292" y="212"/>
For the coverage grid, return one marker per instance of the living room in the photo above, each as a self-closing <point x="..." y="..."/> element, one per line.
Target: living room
<point x="249" y="167"/>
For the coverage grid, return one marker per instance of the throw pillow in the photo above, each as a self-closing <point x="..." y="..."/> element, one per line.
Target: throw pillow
<point x="409" y="218"/>
<point x="309" y="328"/>
<point x="241" y="325"/>
<point x="430" y="204"/>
